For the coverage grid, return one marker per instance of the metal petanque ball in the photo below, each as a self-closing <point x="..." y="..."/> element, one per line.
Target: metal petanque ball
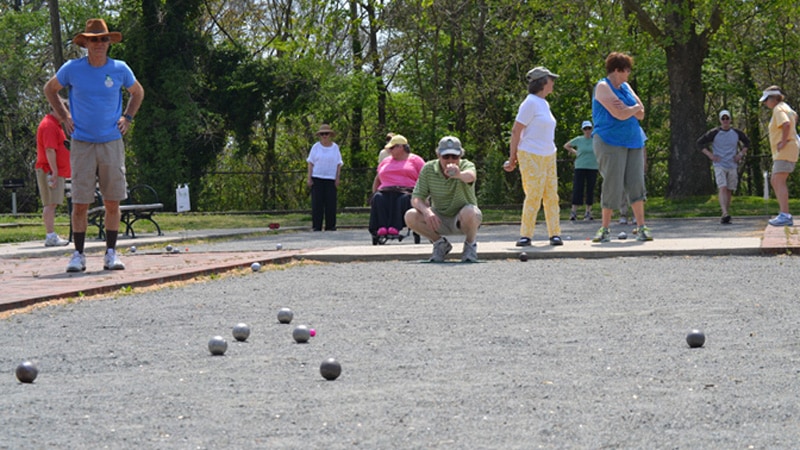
<point x="168" y="248"/>
<point x="27" y="372"/>
<point x="695" y="338"/>
<point x="278" y="246"/>
<point x="285" y="315"/>
<point x="255" y="266"/>
<point x="622" y="236"/>
<point x="241" y="331"/>
<point x="133" y="249"/>
<point x="301" y="334"/>
<point x="330" y="369"/>
<point x="217" y="345"/>
<point x="523" y="256"/>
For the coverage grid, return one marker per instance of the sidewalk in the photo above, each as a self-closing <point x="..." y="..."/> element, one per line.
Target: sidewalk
<point x="31" y="273"/>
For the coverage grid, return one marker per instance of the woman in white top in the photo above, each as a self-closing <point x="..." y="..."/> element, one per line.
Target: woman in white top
<point x="324" y="166"/>
<point x="533" y="146"/>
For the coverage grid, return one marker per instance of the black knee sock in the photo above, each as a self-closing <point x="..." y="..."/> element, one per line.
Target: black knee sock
<point x="79" y="239"/>
<point x="111" y="238"/>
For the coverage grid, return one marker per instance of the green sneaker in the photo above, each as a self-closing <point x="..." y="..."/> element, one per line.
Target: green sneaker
<point x="602" y="235"/>
<point x="644" y="234"/>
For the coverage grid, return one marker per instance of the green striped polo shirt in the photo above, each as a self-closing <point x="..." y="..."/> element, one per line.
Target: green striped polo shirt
<point x="448" y="195"/>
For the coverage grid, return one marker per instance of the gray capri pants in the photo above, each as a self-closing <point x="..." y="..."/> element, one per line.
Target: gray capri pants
<point x="622" y="169"/>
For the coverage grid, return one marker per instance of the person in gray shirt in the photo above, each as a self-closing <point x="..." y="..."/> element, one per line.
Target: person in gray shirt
<point x="728" y="147"/>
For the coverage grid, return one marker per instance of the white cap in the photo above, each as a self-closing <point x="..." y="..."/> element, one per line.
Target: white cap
<point x="766" y="94"/>
<point x="586" y="124"/>
<point x="725" y="112"/>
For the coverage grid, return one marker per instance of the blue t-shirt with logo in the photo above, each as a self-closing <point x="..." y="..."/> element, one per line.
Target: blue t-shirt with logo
<point x="95" y="97"/>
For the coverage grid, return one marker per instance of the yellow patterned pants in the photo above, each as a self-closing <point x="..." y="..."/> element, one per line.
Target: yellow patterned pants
<point x="540" y="183"/>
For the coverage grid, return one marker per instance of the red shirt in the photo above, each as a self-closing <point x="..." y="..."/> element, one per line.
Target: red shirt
<point x="51" y="135"/>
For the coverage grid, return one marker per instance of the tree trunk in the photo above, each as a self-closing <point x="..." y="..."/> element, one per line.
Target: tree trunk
<point x="358" y="62"/>
<point x="688" y="167"/>
<point x="55" y="30"/>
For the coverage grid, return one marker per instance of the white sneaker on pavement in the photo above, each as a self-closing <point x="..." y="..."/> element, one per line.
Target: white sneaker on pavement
<point x="111" y="261"/>
<point x="77" y="263"/>
<point x="53" y="240"/>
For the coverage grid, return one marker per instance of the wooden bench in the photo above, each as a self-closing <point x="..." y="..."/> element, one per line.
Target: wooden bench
<point x="141" y="204"/>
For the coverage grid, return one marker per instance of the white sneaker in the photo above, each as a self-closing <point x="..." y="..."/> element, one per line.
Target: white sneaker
<point x="111" y="261"/>
<point x="77" y="263"/>
<point x="52" y="240"/>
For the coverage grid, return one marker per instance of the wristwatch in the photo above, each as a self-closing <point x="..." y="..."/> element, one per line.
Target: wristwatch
<point x="128" y="117"/>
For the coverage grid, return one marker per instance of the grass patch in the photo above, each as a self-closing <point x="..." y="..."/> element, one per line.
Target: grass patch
<point x="28" y="227"/>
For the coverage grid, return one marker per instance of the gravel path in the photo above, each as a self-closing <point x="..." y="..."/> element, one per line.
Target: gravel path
<point x="544" y="354"/>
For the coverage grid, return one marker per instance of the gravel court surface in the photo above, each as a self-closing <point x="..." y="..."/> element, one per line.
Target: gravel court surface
<point x="543" y="354"/>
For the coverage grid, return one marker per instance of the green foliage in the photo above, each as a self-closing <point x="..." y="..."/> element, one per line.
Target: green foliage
<point x="232" y="101"/>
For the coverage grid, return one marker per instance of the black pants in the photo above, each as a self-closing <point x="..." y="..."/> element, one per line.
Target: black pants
<point x="388" y="209"/>
<point x="583" y="181"/>
<point x="323" y="204"/>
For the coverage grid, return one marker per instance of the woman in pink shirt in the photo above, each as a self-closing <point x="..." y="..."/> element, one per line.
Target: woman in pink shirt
<point x="391" y="190"/>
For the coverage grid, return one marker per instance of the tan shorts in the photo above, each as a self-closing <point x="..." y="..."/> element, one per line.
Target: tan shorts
<point x="726" y="178"/>
<point x="49" y="196"/>
<point x="92" y="162"/>
<point x="452" y="225"/>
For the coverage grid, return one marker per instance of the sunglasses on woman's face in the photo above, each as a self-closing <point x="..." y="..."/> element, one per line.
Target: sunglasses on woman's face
<point x="324" y="134"/>
<point x="99" y="39"/>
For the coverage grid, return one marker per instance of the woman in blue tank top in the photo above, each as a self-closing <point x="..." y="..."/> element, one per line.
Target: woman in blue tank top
<point x="619" y="145"/>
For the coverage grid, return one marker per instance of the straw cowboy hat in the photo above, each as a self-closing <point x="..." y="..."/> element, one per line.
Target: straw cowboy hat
<point x="325" y="128"/>
<point x="96" y="28"/>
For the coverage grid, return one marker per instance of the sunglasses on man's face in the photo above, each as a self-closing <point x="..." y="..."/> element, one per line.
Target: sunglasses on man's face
<point x="450" y="156"/>
<point x="726" y="118"/>
<point x="99" y="39"/>
<point x="324" y="134"/>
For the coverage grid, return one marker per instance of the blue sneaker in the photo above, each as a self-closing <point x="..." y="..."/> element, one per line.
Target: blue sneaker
<point x="782" y="220"/>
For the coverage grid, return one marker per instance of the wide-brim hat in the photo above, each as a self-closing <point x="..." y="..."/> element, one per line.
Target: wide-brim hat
<point x="96" y="28"/>
<point x="325" y="128"/>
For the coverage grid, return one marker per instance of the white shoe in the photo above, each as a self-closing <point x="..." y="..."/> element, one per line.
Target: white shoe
<point x="77" y="263"/>
<point x="52" y="240"/>
<point x="111" y="261"/>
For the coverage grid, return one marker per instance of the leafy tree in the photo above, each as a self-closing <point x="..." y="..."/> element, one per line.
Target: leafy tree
<point x="684" y="32"/>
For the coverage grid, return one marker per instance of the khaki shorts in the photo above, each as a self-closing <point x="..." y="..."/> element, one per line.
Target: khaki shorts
<point x="782" y="166"/>
<point x="726" y="178"/>
<point x="451" y="225"/>
<point x="92" y="162"/>
<point x="49" y="196"/>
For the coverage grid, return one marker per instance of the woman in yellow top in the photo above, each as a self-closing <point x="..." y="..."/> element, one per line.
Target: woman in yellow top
<point x="784" y="145"/>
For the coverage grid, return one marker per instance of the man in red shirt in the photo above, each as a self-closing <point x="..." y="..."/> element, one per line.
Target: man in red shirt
<point x="52" y="169"/>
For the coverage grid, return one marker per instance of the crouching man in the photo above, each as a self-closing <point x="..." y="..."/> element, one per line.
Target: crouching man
<point x="444" y="202"/>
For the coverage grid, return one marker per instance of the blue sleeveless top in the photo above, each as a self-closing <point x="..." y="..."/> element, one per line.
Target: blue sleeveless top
<point x="623" y="133"/>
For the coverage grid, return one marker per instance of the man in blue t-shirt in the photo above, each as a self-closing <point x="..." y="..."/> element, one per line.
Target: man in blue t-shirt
<point x="96" y="123"/>
<point x="725" y="141"/>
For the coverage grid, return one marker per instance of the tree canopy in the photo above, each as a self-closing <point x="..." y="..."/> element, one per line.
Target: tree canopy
<point x="236" y="88"/>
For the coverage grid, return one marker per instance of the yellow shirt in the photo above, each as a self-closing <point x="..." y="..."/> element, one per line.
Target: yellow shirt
<point x="781" y="114"/>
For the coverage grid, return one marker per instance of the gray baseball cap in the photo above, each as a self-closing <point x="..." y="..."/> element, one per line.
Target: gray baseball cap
<point x="539" y="72"/>
<point x="450" y="145"/>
